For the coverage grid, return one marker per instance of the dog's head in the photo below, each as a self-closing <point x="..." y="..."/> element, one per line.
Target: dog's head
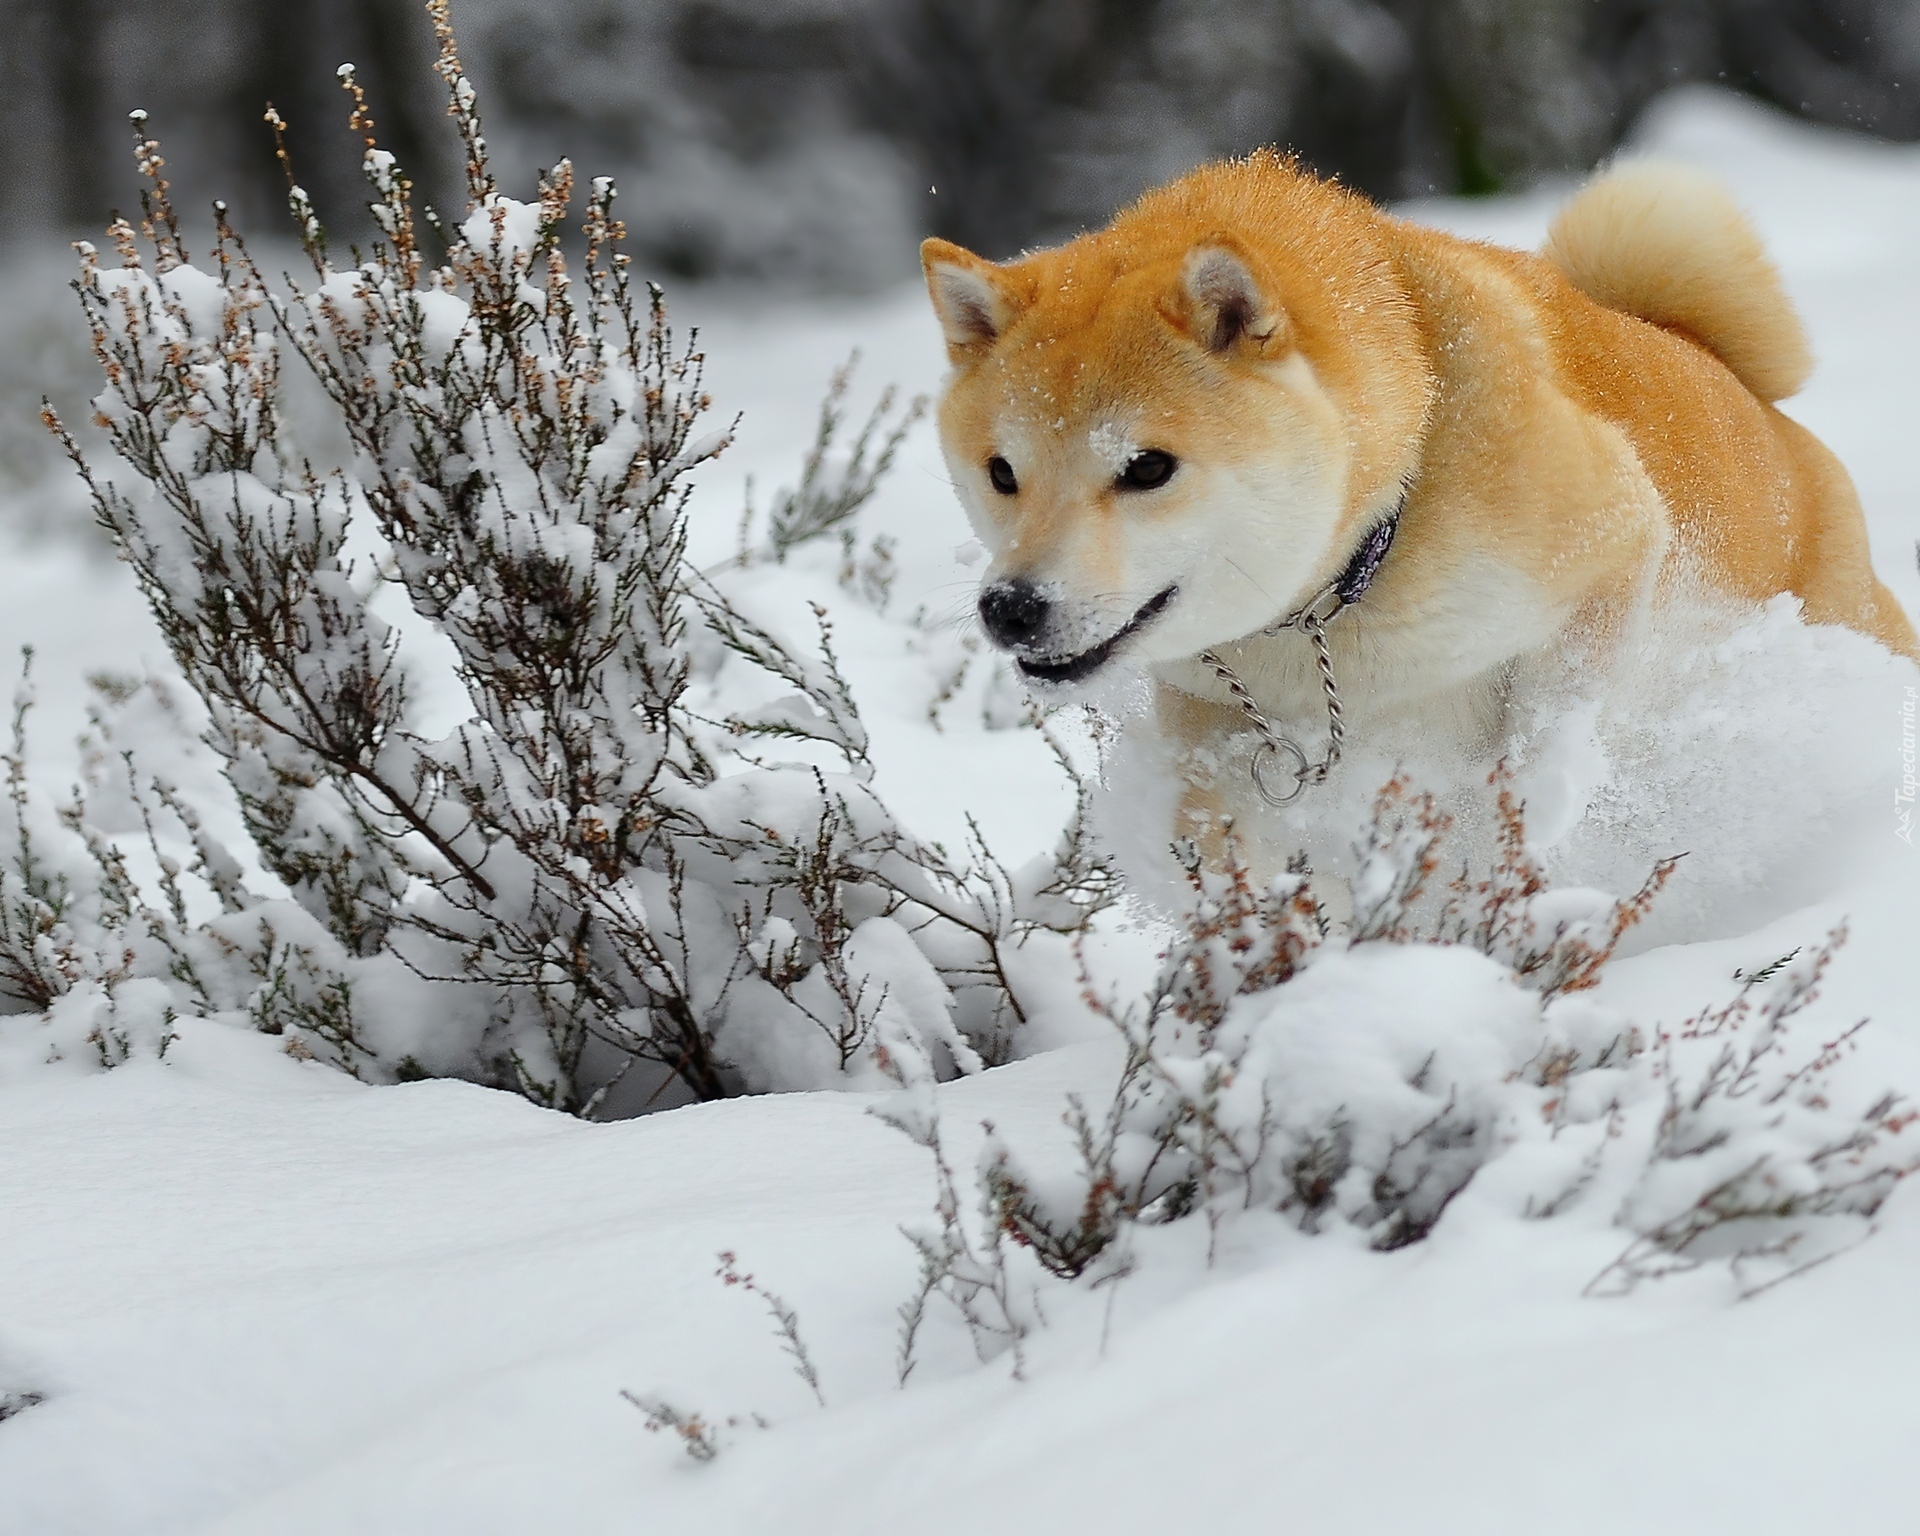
<point x="1162" y="439"/>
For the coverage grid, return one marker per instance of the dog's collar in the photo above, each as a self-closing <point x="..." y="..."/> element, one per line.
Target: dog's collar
<point x="1351" y="584"/>
<point x="1327" y="605"/>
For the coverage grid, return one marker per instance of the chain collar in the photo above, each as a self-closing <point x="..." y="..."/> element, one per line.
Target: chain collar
<point x="1311" y="620"/>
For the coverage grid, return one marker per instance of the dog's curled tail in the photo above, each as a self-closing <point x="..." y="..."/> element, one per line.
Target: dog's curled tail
<point x="1667" y="243"/>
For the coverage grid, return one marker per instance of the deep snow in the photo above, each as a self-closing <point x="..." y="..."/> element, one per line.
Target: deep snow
<point x="256" y="1296"/>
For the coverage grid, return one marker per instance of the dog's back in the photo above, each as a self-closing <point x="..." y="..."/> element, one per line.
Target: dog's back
<point x="1752" y="493"/>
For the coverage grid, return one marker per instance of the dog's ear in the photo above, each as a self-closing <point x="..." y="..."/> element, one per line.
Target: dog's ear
<point x="1224" y="308"/>
<point x="971" y="296"/>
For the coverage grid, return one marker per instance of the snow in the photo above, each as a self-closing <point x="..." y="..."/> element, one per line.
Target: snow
<point x="258" y="1297"/>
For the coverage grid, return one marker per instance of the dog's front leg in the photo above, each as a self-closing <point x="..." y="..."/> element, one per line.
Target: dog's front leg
<point x="1195" y="731"/>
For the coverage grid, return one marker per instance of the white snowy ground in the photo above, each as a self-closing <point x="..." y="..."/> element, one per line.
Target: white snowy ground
<point x="256" y="1296"/>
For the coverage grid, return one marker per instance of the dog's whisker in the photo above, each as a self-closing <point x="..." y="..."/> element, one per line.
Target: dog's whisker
<point x="1249" y="578"/>
<point x="966" y="621"/>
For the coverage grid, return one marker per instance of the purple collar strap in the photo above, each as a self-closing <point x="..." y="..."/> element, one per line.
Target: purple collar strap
<point x="1351" y="584"/>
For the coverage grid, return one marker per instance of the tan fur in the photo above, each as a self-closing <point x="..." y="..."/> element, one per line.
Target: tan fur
<point x="1574" y="433"/>
<point x="1665" y="243"/>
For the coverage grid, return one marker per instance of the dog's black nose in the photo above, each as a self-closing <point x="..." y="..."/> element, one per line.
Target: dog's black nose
<point x="1014" y="613"/>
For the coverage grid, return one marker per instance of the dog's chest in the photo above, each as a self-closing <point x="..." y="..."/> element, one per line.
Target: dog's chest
<point x="1434" y="659"/>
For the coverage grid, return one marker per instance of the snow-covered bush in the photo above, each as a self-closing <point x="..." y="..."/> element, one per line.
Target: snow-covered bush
<point x="79" y="941"/>
<point x="1755" y="1157"/>
<point x="584" y="874"/>
<point x="1363" y="1079"/>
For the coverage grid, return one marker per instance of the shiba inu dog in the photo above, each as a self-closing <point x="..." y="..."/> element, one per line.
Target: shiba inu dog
<point x="1257" y="410"/>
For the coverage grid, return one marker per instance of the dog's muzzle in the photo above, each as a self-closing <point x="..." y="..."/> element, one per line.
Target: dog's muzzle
<point x="1066" y="669"/>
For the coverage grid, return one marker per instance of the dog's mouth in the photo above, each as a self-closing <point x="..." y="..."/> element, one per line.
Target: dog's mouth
<point x="1071" y="669"/>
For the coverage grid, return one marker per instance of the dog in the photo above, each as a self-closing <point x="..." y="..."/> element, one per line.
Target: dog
<point x="1273" y="446"/>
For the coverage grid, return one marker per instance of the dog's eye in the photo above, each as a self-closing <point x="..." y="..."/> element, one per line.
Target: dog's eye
<point x="1148" y="470"/>
<point x="1000" y="472"/>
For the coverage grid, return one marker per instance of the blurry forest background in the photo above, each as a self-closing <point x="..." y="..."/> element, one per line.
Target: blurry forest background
<point x="809" y="144"/>
<point x="813" y="141"/>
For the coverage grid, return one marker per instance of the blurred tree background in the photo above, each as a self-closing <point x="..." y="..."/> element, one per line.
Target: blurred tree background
<point x="813" y="141"/>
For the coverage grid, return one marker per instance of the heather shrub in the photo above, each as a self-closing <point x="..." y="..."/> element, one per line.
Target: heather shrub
<point x="586" y="875"/>
<point x="1361" y="1079"/>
